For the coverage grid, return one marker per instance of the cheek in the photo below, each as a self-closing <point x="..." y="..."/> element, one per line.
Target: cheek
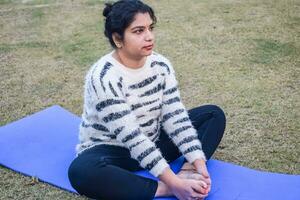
<point x="134" y="41"/>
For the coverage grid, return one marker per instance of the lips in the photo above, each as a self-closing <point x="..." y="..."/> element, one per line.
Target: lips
<point x="149" y="47"/>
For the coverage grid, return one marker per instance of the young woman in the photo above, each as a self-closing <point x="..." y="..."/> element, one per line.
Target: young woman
<point x="133" y="119"/>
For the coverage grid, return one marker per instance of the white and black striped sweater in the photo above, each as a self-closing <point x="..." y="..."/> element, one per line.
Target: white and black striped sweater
<point x="126" y="107"/>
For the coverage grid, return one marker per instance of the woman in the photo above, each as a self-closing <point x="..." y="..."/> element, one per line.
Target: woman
<point x="134" y="119"/>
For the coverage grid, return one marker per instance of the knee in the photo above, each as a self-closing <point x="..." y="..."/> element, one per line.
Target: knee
<point x="75" y="176"/>
<point x="81" y="174"/>
<point x="218" y="113"/>
<point x="219" y="121"/>
<point x="219" y="118"/>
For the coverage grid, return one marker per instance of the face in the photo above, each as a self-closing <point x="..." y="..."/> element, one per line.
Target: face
<point x="138" y="39"/>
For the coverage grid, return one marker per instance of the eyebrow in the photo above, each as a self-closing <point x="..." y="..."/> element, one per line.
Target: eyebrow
<point x="136" y="27"/>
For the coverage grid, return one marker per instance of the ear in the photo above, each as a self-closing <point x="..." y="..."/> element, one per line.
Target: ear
<point x="117" y="40"/>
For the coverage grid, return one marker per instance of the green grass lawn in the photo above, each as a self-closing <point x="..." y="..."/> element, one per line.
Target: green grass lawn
<point x="240" y="55"/>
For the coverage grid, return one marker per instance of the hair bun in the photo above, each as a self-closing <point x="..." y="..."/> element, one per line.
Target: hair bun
<point x="107" y="9"/>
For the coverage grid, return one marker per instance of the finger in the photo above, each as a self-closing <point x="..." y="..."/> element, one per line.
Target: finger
<point x="198" y="188"/>
<point x="206" y="177"/>
<point x="204" y="171"/>
<point x="208" y="181"/>
<point x="201" y="169"/>
<point x="202" y="184"/>
<point x="197" y="176"/>
<point x="202" y="178"/>
<point x="198" y="195"/>
<point x="209" y="188"/>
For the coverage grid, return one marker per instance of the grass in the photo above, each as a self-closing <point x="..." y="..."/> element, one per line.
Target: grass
<point x="267" y="50"/>
<point x="242" y="56"/>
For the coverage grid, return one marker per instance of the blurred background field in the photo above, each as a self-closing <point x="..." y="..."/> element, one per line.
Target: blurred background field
<point x="240" y="55"/>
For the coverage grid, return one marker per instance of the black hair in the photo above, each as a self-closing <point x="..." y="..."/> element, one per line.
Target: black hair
<point x="120" y="15"/>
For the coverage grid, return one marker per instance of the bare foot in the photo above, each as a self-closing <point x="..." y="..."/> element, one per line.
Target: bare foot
<point x="162" y="190"/>
<point x="188" y="167"/>
<point x="188" y="171"/>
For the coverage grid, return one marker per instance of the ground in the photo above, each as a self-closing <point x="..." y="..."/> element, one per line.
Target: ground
<point x="240" y="55"/>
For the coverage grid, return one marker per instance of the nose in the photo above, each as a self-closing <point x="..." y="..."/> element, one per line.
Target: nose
<point x="149" y="35"/>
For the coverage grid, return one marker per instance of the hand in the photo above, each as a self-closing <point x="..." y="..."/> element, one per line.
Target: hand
<point x="201" y="169"/>
<point x="185" y="189"/>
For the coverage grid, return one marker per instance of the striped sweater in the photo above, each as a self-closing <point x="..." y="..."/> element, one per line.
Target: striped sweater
<point x="127" y="107"/>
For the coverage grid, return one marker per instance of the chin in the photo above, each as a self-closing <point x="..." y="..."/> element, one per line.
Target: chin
<point x="143" y="53"/>
<point x="148" y="53"/>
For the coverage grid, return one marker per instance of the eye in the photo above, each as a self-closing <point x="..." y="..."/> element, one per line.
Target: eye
<point x="138" y="31"/>
<point x="151" y="28"/>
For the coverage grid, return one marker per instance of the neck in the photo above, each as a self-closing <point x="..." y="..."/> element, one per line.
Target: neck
<point x="129" y="61"/>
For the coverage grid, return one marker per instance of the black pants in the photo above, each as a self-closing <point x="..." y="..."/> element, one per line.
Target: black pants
<point x="105" y="171"/>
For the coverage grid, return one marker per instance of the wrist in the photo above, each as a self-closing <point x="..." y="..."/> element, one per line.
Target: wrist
<point x="198" y="162"/>
<point x="173" y="181"/>
<point x="169" y="178"/>
<point x="176" y="183"/>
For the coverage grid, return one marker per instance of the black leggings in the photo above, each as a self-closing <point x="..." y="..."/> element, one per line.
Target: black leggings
<point x="105" y="171"/>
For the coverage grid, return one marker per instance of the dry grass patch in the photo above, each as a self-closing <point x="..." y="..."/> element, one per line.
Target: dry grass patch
<point x="243" y="56"/>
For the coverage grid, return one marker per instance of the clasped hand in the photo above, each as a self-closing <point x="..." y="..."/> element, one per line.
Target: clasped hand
<point x="196" y="188"/>
<point x="202" y="170"/>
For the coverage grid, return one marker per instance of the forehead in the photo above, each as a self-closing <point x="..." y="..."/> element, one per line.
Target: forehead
<point x="141" y="19"/>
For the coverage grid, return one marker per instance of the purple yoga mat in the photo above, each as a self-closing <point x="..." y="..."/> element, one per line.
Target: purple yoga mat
<point x="43" y="145"/>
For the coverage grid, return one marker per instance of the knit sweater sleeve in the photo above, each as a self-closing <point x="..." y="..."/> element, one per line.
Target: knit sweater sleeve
<point x="175" y="119"/>
<point x="114" y="113"/>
